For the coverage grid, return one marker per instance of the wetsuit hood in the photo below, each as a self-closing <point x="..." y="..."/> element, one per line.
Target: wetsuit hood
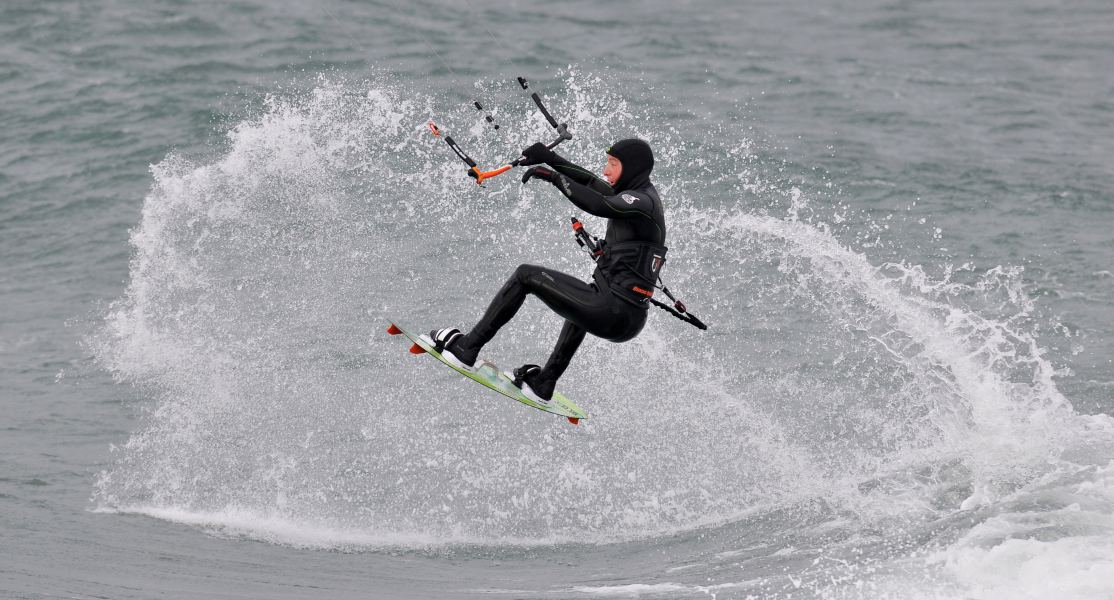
<point x="638" y="161"/>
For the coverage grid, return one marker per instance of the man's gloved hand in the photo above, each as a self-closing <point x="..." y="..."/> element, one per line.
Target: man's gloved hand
<point x="540" y="173"/>
<point x="537" y="154"/>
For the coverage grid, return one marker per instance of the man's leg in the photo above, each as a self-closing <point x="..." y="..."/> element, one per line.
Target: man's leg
<point x="567" y="343"/>
<point x="526" y="279"/>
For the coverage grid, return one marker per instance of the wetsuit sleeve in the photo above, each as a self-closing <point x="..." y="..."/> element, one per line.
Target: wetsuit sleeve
<point x="580" y="175"/>
<point x="612" y="206"/>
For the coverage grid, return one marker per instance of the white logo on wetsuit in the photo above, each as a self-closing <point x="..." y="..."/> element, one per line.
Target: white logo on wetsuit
<point x="629" y="199"/>
<point x="564" y="186"/>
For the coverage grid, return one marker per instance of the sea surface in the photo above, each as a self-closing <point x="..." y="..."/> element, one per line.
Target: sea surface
<point x="897" y="217"/>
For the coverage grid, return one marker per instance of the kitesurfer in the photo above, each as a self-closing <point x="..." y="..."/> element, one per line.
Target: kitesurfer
<point x="614" y="305"/>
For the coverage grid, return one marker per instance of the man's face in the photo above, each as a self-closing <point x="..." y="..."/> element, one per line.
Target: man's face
<point x="613" y="170"/>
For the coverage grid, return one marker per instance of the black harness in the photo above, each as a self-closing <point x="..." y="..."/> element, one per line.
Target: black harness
<point x="632" y="271"/>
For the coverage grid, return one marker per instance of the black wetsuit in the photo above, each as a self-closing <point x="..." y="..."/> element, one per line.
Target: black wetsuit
<point x="614" y="305"/>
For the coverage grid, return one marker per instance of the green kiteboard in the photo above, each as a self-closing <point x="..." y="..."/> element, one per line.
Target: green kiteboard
<point x="490" y="376"/>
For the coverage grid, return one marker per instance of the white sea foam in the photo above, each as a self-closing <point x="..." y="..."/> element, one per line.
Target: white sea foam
<point x="833" y="396"/>
<point x="635" y="590"/>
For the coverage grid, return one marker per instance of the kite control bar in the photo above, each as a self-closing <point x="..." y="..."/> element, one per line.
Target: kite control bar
<point x="562" y="129"/>
<point x="474" y="171"/>
<point x="452" y="144"/>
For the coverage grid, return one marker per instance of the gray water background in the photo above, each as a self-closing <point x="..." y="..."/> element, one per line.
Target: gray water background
<point x="952" y="132"/>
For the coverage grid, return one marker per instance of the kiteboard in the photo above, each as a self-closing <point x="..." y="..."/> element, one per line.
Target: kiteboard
<point x="490" y="376"/>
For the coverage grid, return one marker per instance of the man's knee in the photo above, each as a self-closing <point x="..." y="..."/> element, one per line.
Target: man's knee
<point x="525" y="273"/>
<point x="521" y="281"/>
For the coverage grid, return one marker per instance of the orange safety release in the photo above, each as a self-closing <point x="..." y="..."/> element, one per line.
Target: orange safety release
<point x="482" y="175"/>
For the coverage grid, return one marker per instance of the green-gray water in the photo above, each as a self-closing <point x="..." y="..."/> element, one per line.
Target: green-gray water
<point x="896" y="216"/>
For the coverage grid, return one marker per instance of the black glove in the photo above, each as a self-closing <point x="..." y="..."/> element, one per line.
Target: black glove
<point x="536" y="155"/>
<point x="540" y="173"/>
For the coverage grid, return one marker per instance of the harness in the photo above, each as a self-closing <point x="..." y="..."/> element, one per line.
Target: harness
<point x="632" y="271"/>
<point x="630" y="268"/>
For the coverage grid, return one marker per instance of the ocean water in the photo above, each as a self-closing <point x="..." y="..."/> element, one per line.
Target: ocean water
<point x="897" y="217"/>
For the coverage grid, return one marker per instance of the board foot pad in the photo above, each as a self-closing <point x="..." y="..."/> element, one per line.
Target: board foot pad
<point x="490" y="376"/>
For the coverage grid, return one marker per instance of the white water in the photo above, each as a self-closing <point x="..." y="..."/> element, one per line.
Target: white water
<point x="903" y="427"/>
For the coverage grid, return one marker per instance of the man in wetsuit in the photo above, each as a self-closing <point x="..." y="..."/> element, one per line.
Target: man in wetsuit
<point x="615" y="304"/>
